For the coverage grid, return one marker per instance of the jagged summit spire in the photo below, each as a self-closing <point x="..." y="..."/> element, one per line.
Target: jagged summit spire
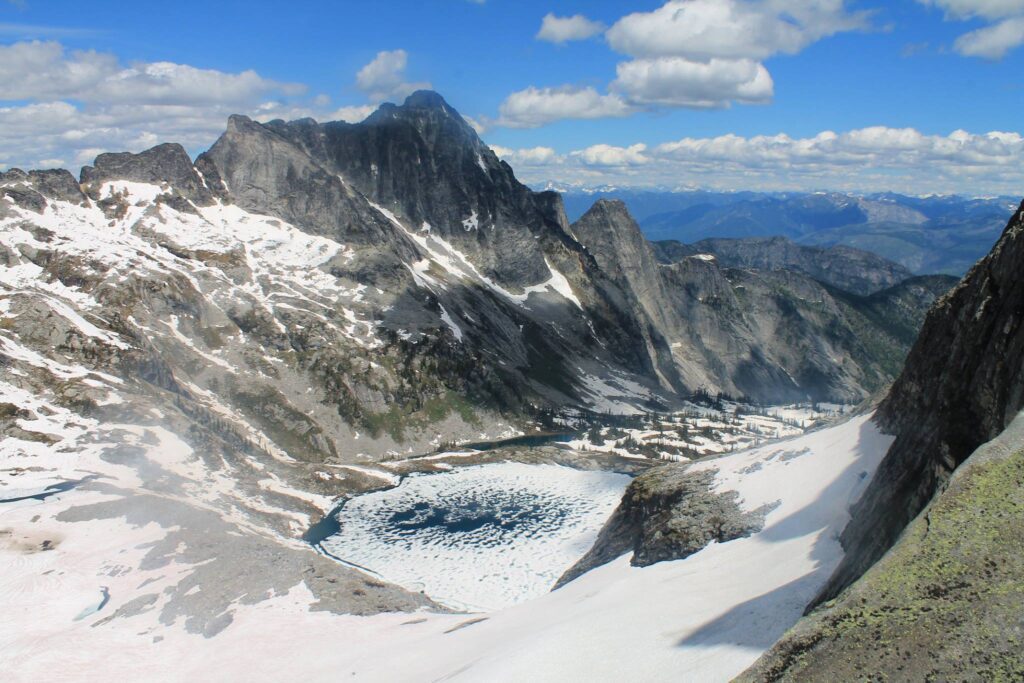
<point x="419" y="101"/>
<point x="426" y="99"/>
<point x="420" y="105"/>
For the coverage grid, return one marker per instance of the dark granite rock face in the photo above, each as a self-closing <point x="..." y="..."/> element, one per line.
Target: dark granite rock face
<point x="31" y="190"/>
<point x="167" y="163"/>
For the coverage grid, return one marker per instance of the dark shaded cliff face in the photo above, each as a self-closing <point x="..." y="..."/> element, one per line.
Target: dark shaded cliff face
<point x="262" y="171"/>
<point x="961" y="386"/>
<point x="422" y="161"/>
<point x="612" y="237"/>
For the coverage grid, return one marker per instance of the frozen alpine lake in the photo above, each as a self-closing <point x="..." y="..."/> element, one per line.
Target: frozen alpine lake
<point x="478" y="538"/>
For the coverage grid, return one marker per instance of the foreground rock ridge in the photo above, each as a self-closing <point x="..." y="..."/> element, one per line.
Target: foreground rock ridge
<point x="943" y="602"/>
<point x="961" y="386"/>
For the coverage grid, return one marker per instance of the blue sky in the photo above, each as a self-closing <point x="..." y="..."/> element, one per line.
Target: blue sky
<point x="774" y="94"/>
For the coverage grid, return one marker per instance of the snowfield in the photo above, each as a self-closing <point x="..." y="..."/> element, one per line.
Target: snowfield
<point x="705" y="618"/>
<point x="478" y="538"/>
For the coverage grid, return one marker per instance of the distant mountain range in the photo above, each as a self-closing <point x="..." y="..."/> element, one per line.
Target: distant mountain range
<point x="937" y="234"/>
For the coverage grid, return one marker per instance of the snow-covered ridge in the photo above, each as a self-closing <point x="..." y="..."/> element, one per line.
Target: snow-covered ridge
<point x="283" y="263"/>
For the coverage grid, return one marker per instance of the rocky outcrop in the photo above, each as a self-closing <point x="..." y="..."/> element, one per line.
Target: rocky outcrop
<point x="167" y="164"/>
<point x="846" y="268"/>
<point x="31" y="190"/>
<point x="961" y="386"/>
<point x="668" y="513"/>
<point x="930" y="585"/>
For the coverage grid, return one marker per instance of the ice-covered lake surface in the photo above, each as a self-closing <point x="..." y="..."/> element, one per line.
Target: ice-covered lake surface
<point x="478" y="538"/>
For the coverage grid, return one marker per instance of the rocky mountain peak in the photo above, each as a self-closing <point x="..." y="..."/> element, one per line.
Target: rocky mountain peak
<point x="427" y="99"/>
<point x="32" y="189"/>
<point x="431" y="115"/>
<point x="166" y="163"/>
<point x="611" y="206"/>
<point x="609" y="212"/>
<point x="240" y="122"/>
<point x="613" y="237"/>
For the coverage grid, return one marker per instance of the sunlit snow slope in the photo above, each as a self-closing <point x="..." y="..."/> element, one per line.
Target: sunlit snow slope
<point x="707" y="617"/>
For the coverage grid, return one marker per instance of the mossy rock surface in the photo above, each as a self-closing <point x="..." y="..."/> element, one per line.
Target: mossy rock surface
<point x="946" y="604"/>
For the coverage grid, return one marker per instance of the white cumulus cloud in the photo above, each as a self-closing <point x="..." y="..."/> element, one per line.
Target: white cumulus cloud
<point x="876" y="158"/>
<point x="45" y="71"/>
<point x="993" y="41"/>
<point x="384" y="77"/>
<point x="987" y="9"/>
<point x="554" y="29"/>
<point x="686" y="53"/>
<point x="535" y="107"/>
<point x="703" y="29"/>
<point x="610" y="155"/>
<point x="679" y="82"/>
<point x="530" y="156"/>
<point x="352" y="114"/>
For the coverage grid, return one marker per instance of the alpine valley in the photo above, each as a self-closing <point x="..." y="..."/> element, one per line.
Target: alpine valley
<point x="337" y="400"/>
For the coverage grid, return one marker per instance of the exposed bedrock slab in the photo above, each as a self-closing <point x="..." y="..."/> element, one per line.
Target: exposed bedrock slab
<point x="668" y="513"/>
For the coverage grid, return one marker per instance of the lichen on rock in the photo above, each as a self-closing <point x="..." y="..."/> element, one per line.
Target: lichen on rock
<point x="944" y="604"/>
